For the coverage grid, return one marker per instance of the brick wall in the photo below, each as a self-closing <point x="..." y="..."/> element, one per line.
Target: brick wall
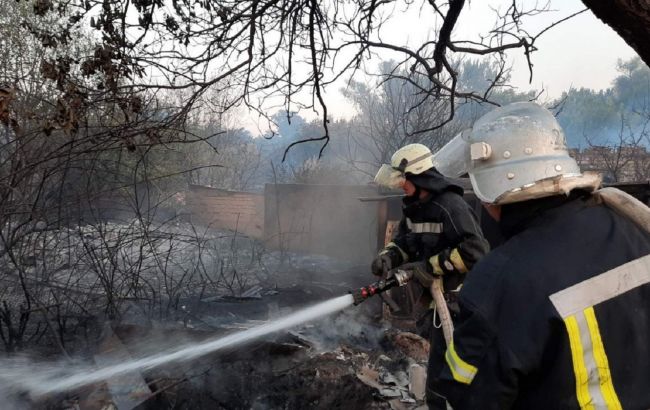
<point x="236" y="211"/>
<point x="317" y="219"/>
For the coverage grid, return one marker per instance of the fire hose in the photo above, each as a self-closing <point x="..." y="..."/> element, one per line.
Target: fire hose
<point x="442" y="310"/>
<point x="401" y="278"/>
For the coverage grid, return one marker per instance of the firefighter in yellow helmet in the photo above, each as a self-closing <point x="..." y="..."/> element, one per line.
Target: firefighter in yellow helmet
<point x="438" y="235"/>
<point x="558" y="316"/>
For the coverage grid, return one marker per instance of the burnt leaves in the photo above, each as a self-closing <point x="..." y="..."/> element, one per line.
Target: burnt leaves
<point x="41" y="7"/>
<point x="57" y="71"/>
<point x="7" y="94"/>
<point x="171" y="24"/>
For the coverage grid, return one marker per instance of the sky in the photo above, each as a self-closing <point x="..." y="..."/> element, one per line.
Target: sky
<point x="581" y="52"/>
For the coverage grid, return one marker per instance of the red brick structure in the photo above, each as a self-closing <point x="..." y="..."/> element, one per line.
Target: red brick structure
<point x="237" y="211"/>
<point x="617" y="164"/>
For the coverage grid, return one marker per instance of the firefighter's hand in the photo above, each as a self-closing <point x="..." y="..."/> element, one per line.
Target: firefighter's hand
<point x="421" y="271"/>
<point x="389" y="258"/>
<point x="380" y="264"/>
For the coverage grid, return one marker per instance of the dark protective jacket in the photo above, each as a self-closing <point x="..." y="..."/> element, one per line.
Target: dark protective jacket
<point x="555" y="318"/>
<point x="441" y="226"/>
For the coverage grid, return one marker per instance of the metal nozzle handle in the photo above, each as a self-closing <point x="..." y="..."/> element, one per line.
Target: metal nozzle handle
<point x="403" y="276"/>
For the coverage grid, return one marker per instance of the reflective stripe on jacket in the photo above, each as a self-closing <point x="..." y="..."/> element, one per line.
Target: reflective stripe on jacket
<point x="442" y="225"/>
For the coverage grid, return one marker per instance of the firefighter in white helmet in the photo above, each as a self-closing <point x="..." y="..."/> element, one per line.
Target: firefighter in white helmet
<point x="437" y="226"/>
<point x="438" y="235"/>
<point x="558" y="316"/>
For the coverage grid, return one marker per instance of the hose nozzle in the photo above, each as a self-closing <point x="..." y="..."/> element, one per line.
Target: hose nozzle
<point x="399" y="278"/>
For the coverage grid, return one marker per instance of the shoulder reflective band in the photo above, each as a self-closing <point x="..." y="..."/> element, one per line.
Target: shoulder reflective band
<point x="461" y="371"/>
<point x="603" y="287"/>
<point x="424" y="227"/>
<point x="594" y="385"/>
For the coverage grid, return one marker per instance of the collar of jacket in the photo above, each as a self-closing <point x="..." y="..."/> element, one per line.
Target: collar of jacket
<point x="434" y="182"/>
<point x="518" y="216"/>
<point x="411" y="205"/>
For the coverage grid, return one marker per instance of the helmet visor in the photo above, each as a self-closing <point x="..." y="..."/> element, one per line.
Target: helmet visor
<point x="453" y="160"/>
<point x="389" y="177"/>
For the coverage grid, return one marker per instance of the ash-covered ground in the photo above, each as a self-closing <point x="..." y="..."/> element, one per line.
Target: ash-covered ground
<point x="141" y="289"/>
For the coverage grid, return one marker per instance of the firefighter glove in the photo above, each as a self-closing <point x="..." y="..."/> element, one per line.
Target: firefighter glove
<point x="447" y="261"/>
<point x="386" y="260"/>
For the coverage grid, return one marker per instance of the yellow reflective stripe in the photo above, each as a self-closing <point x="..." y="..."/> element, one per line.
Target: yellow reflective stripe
<point x="602" y="364"/>
<point x="435" y="264"/>
<point x="457" y="261"/>
<point x="461" y="371"/>
<point x="405" y="256"/>
<point x="579" y="368"/>
<point x="594" y="387"/>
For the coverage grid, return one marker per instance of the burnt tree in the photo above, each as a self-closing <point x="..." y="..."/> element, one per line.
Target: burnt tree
<point x="629" y="18"/>
<point x="283" y="52"/>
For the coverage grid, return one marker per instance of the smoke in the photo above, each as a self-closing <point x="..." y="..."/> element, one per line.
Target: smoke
<point x="349" y="236"/>
<point x="22" y="375"/>
<point x="44" y="379"/>
<point x="352" y="327"/>
<point x="322" y="219"/>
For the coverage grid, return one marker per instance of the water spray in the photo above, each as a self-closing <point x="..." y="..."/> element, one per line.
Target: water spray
<point x="40" y="379"/>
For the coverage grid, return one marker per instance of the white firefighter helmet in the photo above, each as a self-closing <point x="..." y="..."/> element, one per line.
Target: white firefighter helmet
<point x="514" y="153"/>
<point x="411" y="158"/>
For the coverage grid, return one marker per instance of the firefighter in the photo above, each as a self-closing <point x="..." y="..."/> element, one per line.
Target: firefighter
<point x="438" y="235"/>
<point x="558" y="316"/>
<point x="437" y="225"/>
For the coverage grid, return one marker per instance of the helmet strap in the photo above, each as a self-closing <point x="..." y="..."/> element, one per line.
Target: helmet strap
<point x="405" y="163"/>
<point x="402" y="165"/>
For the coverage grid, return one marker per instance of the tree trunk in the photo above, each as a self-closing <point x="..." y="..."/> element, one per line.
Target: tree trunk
<point x="629" y="18"/>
